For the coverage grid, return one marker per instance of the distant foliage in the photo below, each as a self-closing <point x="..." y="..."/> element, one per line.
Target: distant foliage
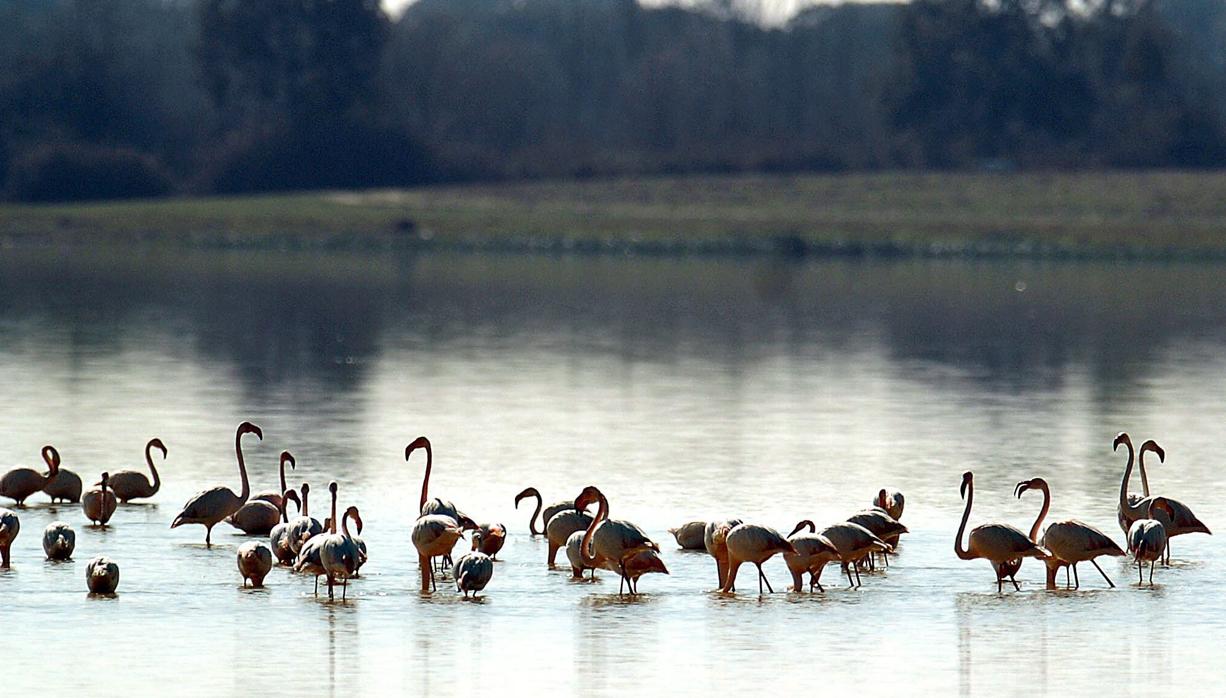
<point x="74" y="172"/>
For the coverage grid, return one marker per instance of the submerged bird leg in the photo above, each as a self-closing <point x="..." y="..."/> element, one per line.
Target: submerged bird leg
<point x="1151" y="572"/>
<point x="858" y="582"/>
<point x="1104" y="574"/>
<point x="762" y="578"/>
<point x="1076" y="581"/>
<point x="847" y="570"/>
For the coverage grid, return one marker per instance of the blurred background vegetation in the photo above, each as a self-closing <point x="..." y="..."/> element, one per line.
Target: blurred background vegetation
<point x="150" y="97"/>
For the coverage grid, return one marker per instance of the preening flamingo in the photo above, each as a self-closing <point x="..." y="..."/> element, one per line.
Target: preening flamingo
<point x="255" y="518"/>
<point x="715" y="540"/>
<point x="854" y="542"/>
<point x="10" y="526"/>
<point x="472" y="572"/>
<point x="1183" y="521"/>
<point x="1069" y="542"/>
<point x="254" y="562"/>
<point x="19" y="483"/>
<point x="1147" y="537"/>
<point x="690" y="536"/>
<point x="303" y="527"/>
<point x="489" y="539"/>
<point x="813" y="551"/>
<point x="891" y="502"/>
<point x="996" y="543"/>
<point x="339" y="553"/>
<point x="352" y="513"/>
<point x="129" y="484"/>
<point x="550" y="511"/>
<point x="210" y="507"/>
<point x="274" y="498"/>
<point x="749" y="542"/>
<point x="59" y="540"/>
<point x="99" y="504"/>
<point x="62" y="484"/>
<point x="278" y="538"/>
<point x="102" y="576"/>
<point x="609" y="543"/>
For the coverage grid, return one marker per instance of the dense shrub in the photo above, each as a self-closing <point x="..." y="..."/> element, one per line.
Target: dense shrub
<point x="76" y="171"/>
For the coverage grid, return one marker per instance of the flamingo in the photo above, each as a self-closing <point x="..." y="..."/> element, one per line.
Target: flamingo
<point x="690" y="535"/>
<point x="882" y="525"/>
<point x="575" y="557"/>
<point x="339" y="553"/>
<point x="1183" y="521"/>
<point x="1147" y="537"/>
<point x="436" y="506"/>
<point x="472" y="572"/>
<point x="753" y="543"/>
<point x="561" y="527"/>
<point x="640" y="563"/>
<point x="996" y="543"/>
<point x="59" y="540"/>
<point x="310" y="557"/>
<point x="19" y="483"/>
<point x="256" y="517"/>
<point x="62" y="484"/>
<point x="550" y="511"/>
<point x="433" y="535"/>
<point x="891" y="502"/>
<point x="278" y="538"/>
<point x="489" y="539"/>
<point x="304" y="527"/>
<point x="254" y="562"/>
<point x="1069" y="541"/>
<point x="10" y="526"/>
<point x="129" y="484"/>
<point x="715" y="540"/>
<point x="608" y="543"/>
<point x="102" y="576"/>
<point x="813" y="551"/>
<point x="854" y="542"/>
<point x="352" y="512"/>
<point x="210" y="507"/>
<point x="99" y="504"/>
<point x="274" y="498"/>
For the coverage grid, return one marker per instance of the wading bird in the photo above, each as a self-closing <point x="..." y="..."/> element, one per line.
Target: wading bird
<point x="749" y="542"/>
<point x="304" y="526"/>
<point x="609" y="543"/>
<point x="574" y="555"/>
<point x="19" y="483"/>
<point x="1147" y="537"/>
<point x="436" y="506"/>
<point x="854" y="543"/>
<point x="561" y="527"/>
<point x="690" y="536"/>
<point x="1182" y="520"/>
<point x="129" y="484"/>
<point x="1069" y="542"/>
<point x="715" y="540"/>
<point x="550" y="511"/>
<point x="102" y="576"/>
<point x="59" y="540"/>
<point x="210" y="507"/>
<point x="274" y="498"/>
<point x="278" y="538"/>
<point x="882" y="525"/>
<point x="813" y="552"/>
<point x="472" y="572"/>
<point x="10" y="526"/>
<point x="891" y="502"/>
<point x="996" y="543"/>
<point x="489" y="539"/>
<point x="254" y="562"/>
<point x="339" y="553"/>
<point x="99" y="504"/>
<point x="62" y="484"/>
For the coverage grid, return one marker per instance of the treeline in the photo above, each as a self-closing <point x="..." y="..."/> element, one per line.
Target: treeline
<point x="147" y="97"/>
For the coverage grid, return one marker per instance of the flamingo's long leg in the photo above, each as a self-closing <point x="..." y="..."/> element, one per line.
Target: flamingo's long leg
<point x="1104" y="574"/>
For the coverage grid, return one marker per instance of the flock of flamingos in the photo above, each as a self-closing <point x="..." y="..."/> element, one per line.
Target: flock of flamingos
<point x="590" y="542"/>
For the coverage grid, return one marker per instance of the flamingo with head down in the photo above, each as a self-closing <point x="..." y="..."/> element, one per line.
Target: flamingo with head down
<point x="749" y="542"/>
<point x="19" y="483"/>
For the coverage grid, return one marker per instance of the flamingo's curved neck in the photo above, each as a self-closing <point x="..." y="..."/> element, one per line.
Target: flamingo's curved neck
<point x="242" y="469"/>
<point x="1141" y="467"/>
<point x="345" y="521"/>
<point x="1034" y="530"/>
<point x="425" y="482"/>
<point x="281" y="471"/>
<point x="966" y="515"/>
<point x="602" y="513"/>
<point x="1133" y="512"/>
<point x="535" y="512"/>
<point x="157" y="481"/>
<point x="52" y="458"/>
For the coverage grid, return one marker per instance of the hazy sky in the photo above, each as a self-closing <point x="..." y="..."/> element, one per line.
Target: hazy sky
<point x="773" y="11"/>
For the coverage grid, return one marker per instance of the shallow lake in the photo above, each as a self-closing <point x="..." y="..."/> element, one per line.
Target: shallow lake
<point x="685" y="389"/>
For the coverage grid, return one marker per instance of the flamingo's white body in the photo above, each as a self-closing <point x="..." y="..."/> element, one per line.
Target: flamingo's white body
<point x="59" y="540"/>
<point x="473" y="572"/>
<point x="254" y="562"/>
<point x="102" y="576"/>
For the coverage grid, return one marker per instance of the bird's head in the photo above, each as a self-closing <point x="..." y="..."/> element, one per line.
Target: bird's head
<point x="287" y="457"/>
<point x="1121" y="438"/>
<point x="249" y="428"/>
<point x="805" y="523"/>
<point x="528" y="492"/>
<point x="967" y="478"/>
<point x="1151" y="445"/>
<point x="157" y="443"/>
<point x="419" y="442"/>
<point x="588" y="496"/>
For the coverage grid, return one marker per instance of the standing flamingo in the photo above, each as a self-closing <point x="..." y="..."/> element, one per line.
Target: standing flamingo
<point x="690" y="536"/>
<point x="550" y="511"/>
<point x="1182" y="521"/>
<point x="473" y="572"/>
<point x="715" y="540"/>
<point x="129" y="484"/>
<point x="854" y="542"/>
<point x="561" y="527"/>
<point x="882" y="525"/>
<point x="102" y="576"/>
<point x="1069" y="541"/>
<point x="99" y="504"/>
<point x="574" y="554"/>
<point x="303" y="527"/>
<point x="753" y="543"/>
<point x="256" y="518"/>
<point x="278" y="538"/>
<point x="62" y="484"/>
<point x="608" y="543"/>
<point x="1147" y="537"/>
<point x="996" y="543"/>
<point x="339" y="553"/>
<point x="19" y="483"/>
<point x="59" y="540"/>
<point x="10" y="526"/>
<point x="489" y="539"/>
<point x="891" y="502"/>
<point x="274" y="498"/>
<point x="813" y="551"/>
<point x="254" y="562"/>
<point x="434" y="535"/>
<point x="210" y="507"/>
<point x="356" y="536"/>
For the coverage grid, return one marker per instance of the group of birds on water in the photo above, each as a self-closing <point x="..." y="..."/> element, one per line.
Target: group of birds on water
<point x="590" y="542"/>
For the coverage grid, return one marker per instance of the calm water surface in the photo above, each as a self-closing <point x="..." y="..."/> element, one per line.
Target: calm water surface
<point x="685" y="390"/>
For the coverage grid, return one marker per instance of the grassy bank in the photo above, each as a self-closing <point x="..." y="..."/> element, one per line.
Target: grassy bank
<point x="1153" y="214"/>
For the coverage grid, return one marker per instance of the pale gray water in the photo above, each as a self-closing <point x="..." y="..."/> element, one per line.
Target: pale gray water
<point x="684" y="389"/>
